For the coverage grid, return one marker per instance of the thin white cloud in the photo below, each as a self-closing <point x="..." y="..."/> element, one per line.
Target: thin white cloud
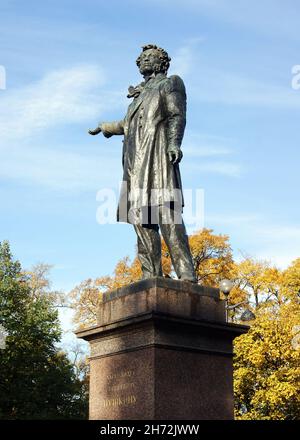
<point x="269" y="17"/>
<point x="280" y="243"/>
<point x="70" y="97"/>
<point x="232" y="220"/>
<point x="61" y="97"/>
<point x="220" y="87"/>
<point x="262" y="239"/>
<point x="280" y="258"/>
<point x="280" y="232"/>
<point x="205" y="150"/>
<point x="182" y="61"/>
<point x="198" y="145"/>
<point x="28" y="115"/>
<point x="224" y="168"/>
<point x="60" y="170"/>
<point x="211" y="150"/>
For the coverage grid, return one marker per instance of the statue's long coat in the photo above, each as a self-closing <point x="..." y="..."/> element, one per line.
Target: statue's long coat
<point x="154" y="123"/>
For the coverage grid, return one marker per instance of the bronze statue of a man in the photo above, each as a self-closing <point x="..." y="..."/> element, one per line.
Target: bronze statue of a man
<point x="151" y="194"/>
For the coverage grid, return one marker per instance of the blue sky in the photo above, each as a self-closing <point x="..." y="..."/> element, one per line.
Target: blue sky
<point x="68" y="66"/>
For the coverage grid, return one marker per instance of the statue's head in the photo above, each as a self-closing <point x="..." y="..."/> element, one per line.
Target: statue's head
<point x="153" y="59"/>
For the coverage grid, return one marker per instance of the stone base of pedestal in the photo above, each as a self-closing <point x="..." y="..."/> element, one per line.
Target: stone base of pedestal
<point x="161" y="351"/>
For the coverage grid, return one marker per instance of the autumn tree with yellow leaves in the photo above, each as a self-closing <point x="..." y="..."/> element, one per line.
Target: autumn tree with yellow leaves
<point x="267" y="358"/>
<point x="212" y="258"/>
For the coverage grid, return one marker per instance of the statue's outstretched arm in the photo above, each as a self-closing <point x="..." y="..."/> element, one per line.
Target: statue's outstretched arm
<point x="109" y="128"/>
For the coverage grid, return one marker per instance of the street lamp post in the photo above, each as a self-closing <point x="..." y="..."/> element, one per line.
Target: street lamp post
<point x="225" y="287"/>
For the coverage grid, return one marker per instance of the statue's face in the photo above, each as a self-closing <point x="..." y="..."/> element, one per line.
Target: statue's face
<point x="150" y="62"/>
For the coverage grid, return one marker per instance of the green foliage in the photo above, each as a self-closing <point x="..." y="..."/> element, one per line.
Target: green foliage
<point x="37" y="381"/>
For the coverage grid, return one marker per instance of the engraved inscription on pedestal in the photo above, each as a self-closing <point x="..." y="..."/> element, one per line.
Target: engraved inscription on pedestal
<point x="120" y="389"/>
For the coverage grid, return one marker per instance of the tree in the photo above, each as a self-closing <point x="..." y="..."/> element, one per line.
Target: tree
<point x="86" y="297"/>
<point x="291" y="281"/>
<point x="40" y="285"/>
<point x="267" y="358"/>
<point x="266" y="369"/>
<point x="258" y="279"/>
<point x="77" y="353"/>
<point x="212" y="256"/>
<point x="212" y="259"/>
<point x="255" y="282"/>
<point x="37" y="381"/>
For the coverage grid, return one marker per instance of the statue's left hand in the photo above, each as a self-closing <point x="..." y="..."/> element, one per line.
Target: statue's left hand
<point x="175" y="155"/>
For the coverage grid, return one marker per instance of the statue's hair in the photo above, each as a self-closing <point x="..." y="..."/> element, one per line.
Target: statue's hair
<point x="163" y="55"/>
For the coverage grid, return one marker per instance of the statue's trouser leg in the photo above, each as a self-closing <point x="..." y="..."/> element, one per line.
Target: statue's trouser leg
<point x="149" y="250"/>
<point x="174" y="233"/>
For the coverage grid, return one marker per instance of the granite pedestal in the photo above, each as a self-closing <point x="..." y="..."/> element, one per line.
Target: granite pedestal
<point x="161" y="350"/>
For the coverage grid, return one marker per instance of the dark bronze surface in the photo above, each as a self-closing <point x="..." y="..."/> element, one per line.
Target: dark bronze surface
<point x="153" y="130"/>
